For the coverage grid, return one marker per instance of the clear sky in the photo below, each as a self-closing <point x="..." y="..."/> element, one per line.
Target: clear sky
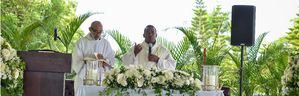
<point x="131" y="16"/>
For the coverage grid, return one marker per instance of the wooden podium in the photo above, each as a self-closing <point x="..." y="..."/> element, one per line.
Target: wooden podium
<point x="44" y="72"/>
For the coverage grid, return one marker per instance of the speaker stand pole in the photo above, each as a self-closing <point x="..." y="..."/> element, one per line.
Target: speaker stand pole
<point x="241" y="69"/>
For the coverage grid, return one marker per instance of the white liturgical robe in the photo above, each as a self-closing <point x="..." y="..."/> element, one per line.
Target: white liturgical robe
<point x="85" y="48"/>
<point x="141" y="59"/>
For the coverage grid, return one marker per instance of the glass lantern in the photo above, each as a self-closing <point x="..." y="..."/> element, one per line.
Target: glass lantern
<point x="210" y="77"/>
<point x="93" y="74"/>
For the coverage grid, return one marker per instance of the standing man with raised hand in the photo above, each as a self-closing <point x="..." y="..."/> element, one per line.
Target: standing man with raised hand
<point x="149" y="54"/>
<point x="86" y="48"/>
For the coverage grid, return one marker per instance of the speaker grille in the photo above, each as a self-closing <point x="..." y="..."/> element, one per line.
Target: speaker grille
<point x="243" y="25"/>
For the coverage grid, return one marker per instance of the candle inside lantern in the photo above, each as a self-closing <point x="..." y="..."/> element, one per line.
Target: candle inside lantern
<point x="212" y="80"/>
<point x="94" y="75"/>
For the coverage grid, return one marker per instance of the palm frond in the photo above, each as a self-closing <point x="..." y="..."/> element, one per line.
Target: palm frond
<point x="272" y="62"/>
<point x="180" y="50"/>
<point x="27" y="34"/>
<point x="234" y="58"/>
<point x="216" y="54"/>
<point x="69" y="31"/>
<point x="253" y="50"/>
<point x="19" y="38"/>
<point x="8" y="32"/>
<point x="118" y="55"/>
<point x="193" y="41"/>
<point x="165" y="43"/>
<point x="123" y="42"/>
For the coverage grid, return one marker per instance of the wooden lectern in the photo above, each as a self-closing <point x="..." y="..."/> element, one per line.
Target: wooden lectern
<point x="44" y="73"/>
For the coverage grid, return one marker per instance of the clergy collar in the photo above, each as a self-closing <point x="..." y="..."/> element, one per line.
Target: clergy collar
<point x="152" y="43"/>
<point x="89" y="37"/>
<point x="146" y="44"/>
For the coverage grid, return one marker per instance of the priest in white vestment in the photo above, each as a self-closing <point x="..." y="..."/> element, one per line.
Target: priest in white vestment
<point x="149" y="54"/>
<point x="86" y="48"/>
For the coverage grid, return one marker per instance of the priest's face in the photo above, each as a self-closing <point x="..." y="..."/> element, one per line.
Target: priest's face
<point x="96" y="30"/>
<point x="150" y="34"/>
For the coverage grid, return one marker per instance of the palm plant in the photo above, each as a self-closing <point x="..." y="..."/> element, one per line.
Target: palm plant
<point x="21" y="38"/>
<point x="207" y="31"/>
<point x="180" y="52"/>
<point x="168" y="44"/>
<point x="216" y="52"/>
<point x="251" y="66"/>
<point x="69" y="31"/>
<point x="196" y="48"/>
<point x="293" y="35"/>
<point x="275" y="59"/>
<point x="123" y="42"/>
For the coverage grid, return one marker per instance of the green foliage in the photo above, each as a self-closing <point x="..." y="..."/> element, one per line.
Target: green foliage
<point x="274" y="59"/>
<point x="69" y="31"/>
<point x="29" y="24"/>
<point x="267" y="63"/>
<point x="215" y="55"/>
<point x="211" y="30"/>
<point x="252" y="52"/>
<point x="200" y="19"/>
<point x="167" y="44"/>
<point x="124" y="44"/>
<point x="290" y="79"/>
<point x="20" y="38"/>
<point x="251" y="66"/>
<point x="19" y="14"/>
<point x="180" y="53"/>
<point x="293" y="35"/>
<point x="196" y="48"/>
<point x="59" y="14"/>
<point x="208" y="31"/>
<point x="11" y="69"/>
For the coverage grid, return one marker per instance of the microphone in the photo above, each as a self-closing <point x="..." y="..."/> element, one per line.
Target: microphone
<point x="56" y="34"/>
<point x="150" y="48"/>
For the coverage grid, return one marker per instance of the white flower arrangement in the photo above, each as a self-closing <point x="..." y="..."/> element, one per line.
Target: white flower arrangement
<point x="290" y="79"/>
<point x="11" y="69"/>
<point x="141" y="78"/>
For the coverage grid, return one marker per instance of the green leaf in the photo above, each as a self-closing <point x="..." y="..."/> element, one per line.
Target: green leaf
<point x="69" y="31"/>
<point x="253" y="50"/>
<point x="123" y="42"/>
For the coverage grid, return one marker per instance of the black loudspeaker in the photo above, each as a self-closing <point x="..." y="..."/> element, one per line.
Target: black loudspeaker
<point x="243" y="25"/>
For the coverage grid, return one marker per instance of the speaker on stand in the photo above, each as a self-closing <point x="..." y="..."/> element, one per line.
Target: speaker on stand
<point x="242" y="31"/>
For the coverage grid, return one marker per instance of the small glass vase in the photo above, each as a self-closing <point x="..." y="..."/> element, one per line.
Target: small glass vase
<point x="210" y="77"/>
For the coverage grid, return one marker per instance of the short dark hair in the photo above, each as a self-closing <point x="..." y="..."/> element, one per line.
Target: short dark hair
<point x="95" y="22"/>
<point x="149" y="26"/>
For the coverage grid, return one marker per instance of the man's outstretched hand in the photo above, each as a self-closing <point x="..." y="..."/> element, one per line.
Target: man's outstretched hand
<point x="153" y="58"/>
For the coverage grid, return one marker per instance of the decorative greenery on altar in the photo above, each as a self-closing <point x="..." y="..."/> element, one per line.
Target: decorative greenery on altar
<point x="136" y="78"/>
<point x="11" y="70"/>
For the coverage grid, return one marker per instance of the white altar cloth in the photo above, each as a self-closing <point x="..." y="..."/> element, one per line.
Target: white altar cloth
<point x="94" y="91"/>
